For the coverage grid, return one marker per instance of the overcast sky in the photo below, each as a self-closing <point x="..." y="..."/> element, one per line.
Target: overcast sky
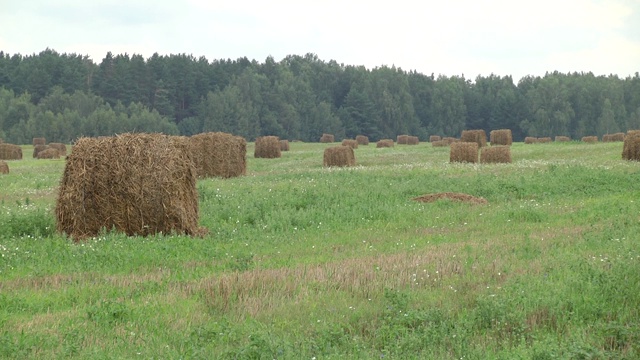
<point x="455" y="37"/>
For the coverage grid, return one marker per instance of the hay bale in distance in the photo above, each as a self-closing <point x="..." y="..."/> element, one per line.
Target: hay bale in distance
<point x="450" y="140"/>
<point x="350" y="142"/>
<point x="562" y="139"/>
<point x="218" y="154"/>
<point x="327" y="138"/>
<point x="476" y="136"/>
<point x="138" y="184"/>
<point x="402" y="139"/>
<point x="619" y="136"/>
<point x="267" y="147"/>
<point x="413" y="140"/>
<point x="530" y="140"/>
<point x="62" y="148"/>
<point x="284" y="145"/>
<point x="496" y="154"/>
<point x="10" y="152"/>
<point x="339" y="156"/>
<point x="590" y="139"/>
<point x="440" y="143"/>
<point x="4" y="167"/>
<point x="39" y="141"/>
<point x="49" y="153"/>
<point x="37" y="149"/>
<point x="501" y="137"/>
<point x="544" y="140"/>
<point x="464" y="152"/>
<point x="362" y="140"/>
<point x="384" y="143"/>
<point x="631" y="146"/>
<point x="433" y="138"/>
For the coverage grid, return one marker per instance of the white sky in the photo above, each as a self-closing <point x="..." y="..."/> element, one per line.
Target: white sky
<point x="455" y="37"/>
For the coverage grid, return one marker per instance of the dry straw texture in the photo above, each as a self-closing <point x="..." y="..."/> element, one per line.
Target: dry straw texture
<point x="501" y="137"/>
<point x="384" y="143"/>
<point x="450" y="140"/>
<point x="37" y="149"/>
<point x="413" y="140"/>
<point x="496" y="154"/>
<point x="339" y="156"/>
<point x="139" y="184"/>
<point x="327" y="138"/>
<point x="631" y="146"/>
<point x="590" y="139"/>
<point x="218" y="154"/>
<point x="284" y="145"/>
<point x="362" y="140"/>
<point x="4" y="167"/>
<point x="39" y="141"/>
<point x="476" y="136"/>
<point x="543" y="140"/>
<point x="62" y="148"/>
<point x="530" y="140"/>
<point x="562" y="139"/>
<point x="440" y="143"/>
<point x="433" y="138"/>
<point x="10" y="152"/>
<point x="464" y="152"/>
<point x="49" y="153"/>
<point x="267" y="147"/>
<point x="613" y="137"/>
<point x="350" y="142"/>
<point x="402" y="139"/>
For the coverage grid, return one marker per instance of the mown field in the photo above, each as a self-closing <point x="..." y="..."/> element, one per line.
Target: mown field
<point x="305" y="262"/>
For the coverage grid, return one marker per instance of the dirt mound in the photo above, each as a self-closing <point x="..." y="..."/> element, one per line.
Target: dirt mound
<point x="451" y="196"/>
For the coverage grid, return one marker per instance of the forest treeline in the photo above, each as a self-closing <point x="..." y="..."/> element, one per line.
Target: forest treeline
<point x="65" y="96"/>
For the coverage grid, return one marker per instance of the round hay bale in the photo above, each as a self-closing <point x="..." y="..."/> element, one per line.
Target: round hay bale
<point x="543" y="140"/>
<point x="501" y="137"/>
<point x="362" y="140"/>
<point x="613" y="137"/>
<point x="4" y="167"/>
<point x="327" y="138"/>
<point x="464" y="152"/>
<point x="37" y="149"/>
<point x="284" y="145"/>
<point x="440" y="143"/>
<point x="496" y="154"/>
<point x="476" y="136"/>
<point x="562" y="139"/>
<point x="267" y="147"/>
<point x="218" y="154"/>
<point x="530" y="140"/>
<point x="62" y="148"/>
<point x="10" y="152"/>
<point x="384" y="143"/>
<point x="402" y="139"/>
<point x="413" y="140"/>
<point x="433" y="138"/>
<point x="339" y="156"/>
<point x="49" y="153"/>
<point x="39" y="141"/>
<point x="138" y="184"/>
<point x="590" y="139"/>
<point x="631" y="146"/>
<point x="351" y="143"/>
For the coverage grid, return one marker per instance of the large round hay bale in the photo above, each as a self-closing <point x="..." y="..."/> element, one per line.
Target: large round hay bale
<point x="402" y="139"/>
<point x="476" y="136"/>
<point x="351" y="143"/>
<point x="49" y="153"/>
<point x="284" y="145"/>
<point x="496" y="154"/>
<point x="218" y="154"/>
<point x="530" y="140"/>
<point x="384" y="143"/>
<point x="267" y="147"/>
<point x="10" y="152"/>
<point x="62" y="148"/>
<point x="37" y="149"/>
<point x="362" y="140"/>
<point x="339" y="156"/>
<point x="413" y="140"/>
<point x="138" y="184"/>
<point x="39" y="141"/>
<point x="631" y="146"/>
<point x="562" y="139"/>
<point x="327" y="138"/>
<point x="590" y="139"/>
<point x="4" y="167"/>
<point x="433" y="138"/>
<point x="501" y="137"/>
<point x="464" y="152"/>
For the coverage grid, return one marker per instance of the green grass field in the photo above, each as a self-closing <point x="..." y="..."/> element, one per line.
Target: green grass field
<point x="305" y="262"/>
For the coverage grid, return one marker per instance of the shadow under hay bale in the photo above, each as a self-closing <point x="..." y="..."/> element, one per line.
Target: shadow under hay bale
<point x="267" y="147"/>
<point x="351" y="143"/>
<point x="530" y="140"/>
<point x="464" y="152"/>
<point x="284" y="145"/>
<point x="413" y="140"/>
<point x="327" y="138"/>
<point x="501" y="137"/>
<point x="451" y="196"/>
<point x="218" y="154"/>
<point x="476" y="136"/>
<point x="590" y="139"/>
<point x="62" y="148"/>
<point x="10" y="152"/>
<point x="362" y="140"/>
<point x="39" y="141"/>
<point x="402" y="139"/>
<point x="339" y="156"/>
<point x="138" y="184"/>
<point x="49" y="153"/>
<point x="496" y="154"/>
<point x="433" y="138"/>
<point x="562" y="139"/>
<point x="4" y="167"/>
<point x="37" y="149"/>
<point x="631" y="146"/>
<point x="384" y="143"/>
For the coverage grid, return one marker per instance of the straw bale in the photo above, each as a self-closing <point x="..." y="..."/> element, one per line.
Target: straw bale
<point x="138" y="184"/>
<point x="37" y="149"/>
<point x="631" y="146"/>
<point x="267" y="147"/>
<point x="402" y="139"/>
<point x="413" y="140"/>
<point x="218" y="154"/>
<point x="284" y="145"/>
<point x="501" y="137"/>
<point x="339" y="156"/>
<point x="433" y="138"/>
<point x="62" y="148"/>
<point x="530" y="140"/>
<point x="327" y="138"/>
<point x="562" y="138"/>
<point x="362" y="140"/>
<point x="39" y="141"/>
<point x="619" y="136"/>
<point x="450" y="140"/>
<point x="464" y="152"/>
<point x="496" y="154"/>
<point x="543" y="140"/>
<point x="384" y="143"/>
<point x="476" y="136"/>
<point x="49" y="153"/>
<point x="4" y="167"/>
<point x="10" y="152"/>
<point x="590" y="139"/>
<point x="440" y="143"/>
<point x="633" y="132"/>
<point x="350" y="142"/>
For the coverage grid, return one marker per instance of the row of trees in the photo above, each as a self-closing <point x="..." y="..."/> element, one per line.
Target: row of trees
<point x="64" y="96"/>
